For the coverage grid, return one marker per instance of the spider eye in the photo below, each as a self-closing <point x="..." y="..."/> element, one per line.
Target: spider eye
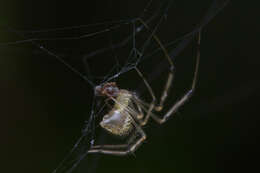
<point x="110" y="91"/>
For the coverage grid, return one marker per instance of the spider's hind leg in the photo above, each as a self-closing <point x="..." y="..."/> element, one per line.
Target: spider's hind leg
<point x="122" y="149"/>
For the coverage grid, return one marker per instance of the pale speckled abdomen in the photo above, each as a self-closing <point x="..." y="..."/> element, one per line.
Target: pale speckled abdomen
<point x="118" y="121"/>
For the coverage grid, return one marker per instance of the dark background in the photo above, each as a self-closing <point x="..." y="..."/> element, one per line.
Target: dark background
<point x="43" y="105"/>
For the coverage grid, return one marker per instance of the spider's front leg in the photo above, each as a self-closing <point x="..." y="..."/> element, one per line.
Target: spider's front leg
<point x="166" y="90"/>
<point x="152" y="104"/>
<point x="188" y="94"/>
<point x="168" y="83"/>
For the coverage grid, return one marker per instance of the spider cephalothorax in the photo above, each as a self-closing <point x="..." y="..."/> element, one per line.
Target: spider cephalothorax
<point x="109" y="89"/>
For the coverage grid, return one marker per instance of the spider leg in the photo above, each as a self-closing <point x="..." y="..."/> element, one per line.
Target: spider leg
<point x="167" y="84"/>
<point x="140" y="111"/>
<point x="170" y="78"/>
<point x="117" y="149"/>
<point x="109" y="146"/>
<point x="120" y="146"/>
<point x="152" y="104"/>
<point x="188" y="94"/>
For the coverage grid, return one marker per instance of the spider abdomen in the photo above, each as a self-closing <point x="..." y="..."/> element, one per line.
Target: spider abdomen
<point x="118" y="121"/>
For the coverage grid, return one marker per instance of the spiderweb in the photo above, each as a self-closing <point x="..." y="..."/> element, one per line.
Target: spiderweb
<point x="105" y="51"/>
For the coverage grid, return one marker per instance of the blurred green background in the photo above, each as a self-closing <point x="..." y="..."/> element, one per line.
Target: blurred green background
<point x="44" y="106"/>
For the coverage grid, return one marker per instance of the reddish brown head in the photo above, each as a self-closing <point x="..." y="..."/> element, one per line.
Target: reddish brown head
<point x="108" y="89"/>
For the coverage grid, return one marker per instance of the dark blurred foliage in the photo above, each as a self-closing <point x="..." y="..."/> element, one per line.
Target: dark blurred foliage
<point x="44" y="105"/>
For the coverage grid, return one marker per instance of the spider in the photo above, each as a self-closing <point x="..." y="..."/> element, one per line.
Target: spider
<point x="126" y="117"/>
